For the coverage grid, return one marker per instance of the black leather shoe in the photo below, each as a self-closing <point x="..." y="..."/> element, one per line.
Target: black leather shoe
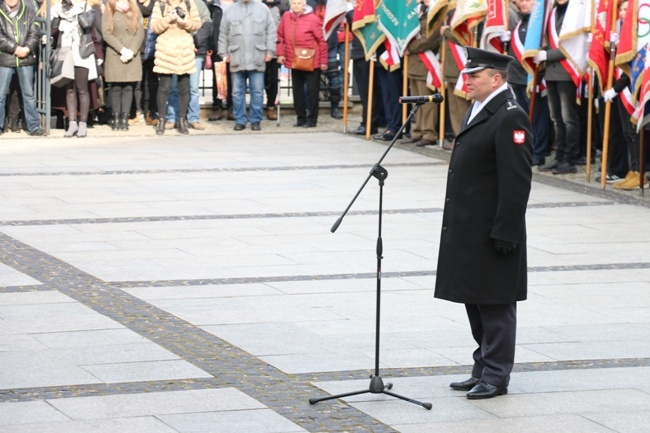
<point x="239" y="127"/>
<point x="465" y="385"/>
<point x="485" y="390"/>
<point x="336" y="113"/>
<point x="299" y="124"/>
<point x="565" y="168"/>
<point x="256" y="126"/>
<point x="309" y="125"/>
<point x="549" y="166"/>
<point x="539" y="162"/>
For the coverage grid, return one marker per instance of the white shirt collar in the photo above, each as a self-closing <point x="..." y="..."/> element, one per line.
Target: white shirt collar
<point x="478" y="106"/>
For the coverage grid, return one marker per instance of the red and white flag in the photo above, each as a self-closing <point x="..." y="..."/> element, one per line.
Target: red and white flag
<point x="335" y="11"/>
<point x="599" y="52"/>
<point x="572" y="38"/>
<point x="390" y="58"/>
<point x="468" y="14"/>
<point x="496" y="23"/>
<point x="432" y="63"/>
<point x="460" y="58"/>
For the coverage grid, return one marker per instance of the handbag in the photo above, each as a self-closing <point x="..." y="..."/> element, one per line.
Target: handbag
<point x="61" y="67"/>
<point x="86" y="19"/>
<point x="303" y="58"/>
<point x="86" y="45"/>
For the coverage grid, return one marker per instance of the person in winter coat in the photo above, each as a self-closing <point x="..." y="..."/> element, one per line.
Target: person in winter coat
<point x="271" y="78"/>
<point x="77" y="93"/>
<point x="247" y="41"/>
<point x="124" y="35"/>
<point x="482" y="261"/>
<point x="301" y="28"/>
<point x="19" y="38"/>
<point x="174" y="21"/>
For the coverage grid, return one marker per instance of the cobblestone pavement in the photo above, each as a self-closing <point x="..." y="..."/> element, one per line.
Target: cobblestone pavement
<point x="191" y="284"/>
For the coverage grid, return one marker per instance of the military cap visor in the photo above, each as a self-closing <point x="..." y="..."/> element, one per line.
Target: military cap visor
<point x="478" y="59"/>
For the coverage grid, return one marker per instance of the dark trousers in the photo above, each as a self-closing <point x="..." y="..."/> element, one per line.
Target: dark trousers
<point x="617" y="152"/>
<point x="271" y="82"/>
<point x="541" y="120"/>
<point x="361" y="72"/>
<point x="164" y="85"/>
<point x="565" y="114"/>
<point x="121" y="95"/>
<point x="494" y="328"/>
<point x="150" y="85"/>
<point x="391" y="88"/>
<point x="300" y="79"/>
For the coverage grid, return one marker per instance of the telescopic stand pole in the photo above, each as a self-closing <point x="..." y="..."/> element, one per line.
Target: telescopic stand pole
<point x="377" y="385"/>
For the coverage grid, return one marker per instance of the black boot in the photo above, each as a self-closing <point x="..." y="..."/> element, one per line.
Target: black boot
<point x="336" y="113"/>
<point x="181" y="126"/>
<point x="124" y="122"/>
<point x="160" y="127"/>
<point x="115" y="126"/>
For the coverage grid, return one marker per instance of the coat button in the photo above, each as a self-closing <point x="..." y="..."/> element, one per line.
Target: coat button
<point x="447" y="200"/>
<point x="444" y="229"/>
<point x="451" y="171"/>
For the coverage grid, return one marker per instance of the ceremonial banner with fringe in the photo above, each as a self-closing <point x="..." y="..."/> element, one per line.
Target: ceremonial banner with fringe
<point x="496" y="23"/>
<point x="573" y="36"/>
<point x="366" y="28"/>
<point x="468" y="15"/>
<point x="436" y="15"/>
<point x="599" y="52"/>
<point x="400" y="22"/>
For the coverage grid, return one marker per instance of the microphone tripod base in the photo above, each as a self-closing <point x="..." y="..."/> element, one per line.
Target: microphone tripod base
<point x="377" y="386"/>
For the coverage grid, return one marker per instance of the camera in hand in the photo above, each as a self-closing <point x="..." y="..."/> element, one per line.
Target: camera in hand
<point x="180" y="12"/>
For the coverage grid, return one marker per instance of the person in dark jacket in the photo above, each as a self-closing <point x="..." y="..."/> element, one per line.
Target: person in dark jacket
<point x="19" y="38"/>
<point x="482" y="261"/>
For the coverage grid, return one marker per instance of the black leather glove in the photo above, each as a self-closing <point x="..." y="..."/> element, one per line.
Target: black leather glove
<point x="503" y="247"/>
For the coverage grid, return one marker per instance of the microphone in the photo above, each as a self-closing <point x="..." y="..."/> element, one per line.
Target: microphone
<point x="436" y="98"/>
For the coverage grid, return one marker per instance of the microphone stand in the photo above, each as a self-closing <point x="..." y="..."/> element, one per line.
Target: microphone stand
<point x="377" y="385"/>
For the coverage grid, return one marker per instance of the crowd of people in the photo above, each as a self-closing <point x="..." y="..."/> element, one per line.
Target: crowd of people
<point x="147" y="56"/>
<point x="141" y="60"/>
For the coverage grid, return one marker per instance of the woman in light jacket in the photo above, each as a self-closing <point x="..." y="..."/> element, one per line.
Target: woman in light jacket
<point x="300" y="27"/>
<point x="77" y="96"/>
<point x="123" y="33"/>
<point x="174" y="54"/>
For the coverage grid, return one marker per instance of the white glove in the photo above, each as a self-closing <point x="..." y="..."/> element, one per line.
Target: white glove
<point x="506" y="36"/>
<point x="125" y="59"/>
<point x="613" y="38"/>
<point x="126" y="53"/>
<point x="99" y="62"/>
<point x="540" y="57"/>
<point x="609" y="95"/>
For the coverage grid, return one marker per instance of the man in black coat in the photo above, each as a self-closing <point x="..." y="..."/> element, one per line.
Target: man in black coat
<point x="482" y="258"/>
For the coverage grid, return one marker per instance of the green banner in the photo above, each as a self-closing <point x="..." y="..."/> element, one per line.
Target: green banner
<point x="400" y="21"/>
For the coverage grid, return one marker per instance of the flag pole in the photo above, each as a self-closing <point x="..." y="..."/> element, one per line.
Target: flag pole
<point x="371" y="86"/>
<point x="405" y="86"/>
<point x="533" y="95"/>
<point x="641" y="156"/>
<point x="608" y="106"/>
<point x="441" y="128"/>
<point x="590" y="110"/>
<point x="346" y="72"/>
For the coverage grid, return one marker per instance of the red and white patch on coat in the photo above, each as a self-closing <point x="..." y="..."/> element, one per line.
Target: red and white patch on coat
<point x="519" y="136"/>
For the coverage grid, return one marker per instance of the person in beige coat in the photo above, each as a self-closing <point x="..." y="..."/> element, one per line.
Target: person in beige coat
<point x="123" y="33"/>
<point x="174" y="21"/>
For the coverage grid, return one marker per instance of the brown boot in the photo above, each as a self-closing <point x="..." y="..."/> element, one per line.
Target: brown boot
<point x="230" y="115"/>
<point x="151" y="119"/>
<point x="631" y="182"/>
<point x="271" y="114"/>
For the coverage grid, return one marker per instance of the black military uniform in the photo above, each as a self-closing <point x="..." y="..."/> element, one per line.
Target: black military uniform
<point x="482" y="258"/>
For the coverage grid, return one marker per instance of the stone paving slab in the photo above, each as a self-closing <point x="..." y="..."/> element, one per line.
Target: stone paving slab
<point x="191" y="284"/>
